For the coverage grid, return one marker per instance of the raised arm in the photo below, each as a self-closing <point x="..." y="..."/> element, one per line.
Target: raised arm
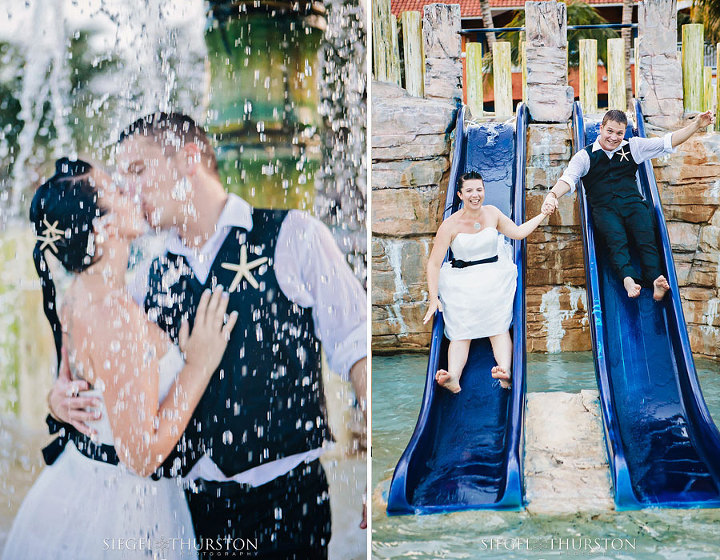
<point x="144" y="432"/>
<point x="441" y="244"/>
<point x="702" y="121"/>
<point x="577" y="168"/>
<point x="510" y="229"/>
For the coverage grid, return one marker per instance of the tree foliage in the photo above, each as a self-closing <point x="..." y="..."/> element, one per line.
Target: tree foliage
<point x="706" y="12"/>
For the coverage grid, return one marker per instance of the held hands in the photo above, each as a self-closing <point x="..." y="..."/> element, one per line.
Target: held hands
<point x="549" y="205"/>
<point x="435" y="305"/>
<point x="705" y="119"/>
<point x="204" y="348"/>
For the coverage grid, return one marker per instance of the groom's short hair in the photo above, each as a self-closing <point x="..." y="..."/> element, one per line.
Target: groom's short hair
<point x="172" y="131"/>
<point x="615" y="115"/>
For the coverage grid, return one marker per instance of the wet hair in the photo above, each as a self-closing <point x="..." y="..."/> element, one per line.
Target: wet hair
<point x="62" y="213"/>
<point x="173" y="131"/>
<point x="615" y="115"/>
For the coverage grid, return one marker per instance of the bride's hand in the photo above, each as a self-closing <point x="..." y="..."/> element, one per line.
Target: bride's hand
<point x="204" y="348"/>
<point x="435" y="305"/>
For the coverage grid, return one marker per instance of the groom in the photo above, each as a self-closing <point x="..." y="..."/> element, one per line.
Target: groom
<point x="251" y="451"/>
<point x="620" y="214"/>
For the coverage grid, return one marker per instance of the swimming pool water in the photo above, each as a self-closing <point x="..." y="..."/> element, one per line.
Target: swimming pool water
<point x="397" y="386"/>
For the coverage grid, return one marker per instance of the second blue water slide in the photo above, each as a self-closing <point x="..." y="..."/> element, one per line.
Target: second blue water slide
<point x="663" y="446"/>
<point x="466" y="450"/>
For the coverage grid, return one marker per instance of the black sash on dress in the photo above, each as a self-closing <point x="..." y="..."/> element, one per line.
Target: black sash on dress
<point x="457" y="263"/>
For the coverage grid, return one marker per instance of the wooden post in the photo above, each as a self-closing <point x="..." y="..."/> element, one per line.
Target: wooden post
<point x="692" y="66"/>
<point x="523" y="55"/>
<point x="707" y="92"/>
<point x="394" y="61"/>
<point x="502" y="78"/>
<point x="474" y="77"/>
<point x="588" y="75"/>
<point x="616" y="74"/>
<point x="386" y="63"/>
<point x="413" y="52"/>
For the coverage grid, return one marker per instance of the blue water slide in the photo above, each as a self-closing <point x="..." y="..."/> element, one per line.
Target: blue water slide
<point x="467" y="448"/>
<point x="663" y="447"/>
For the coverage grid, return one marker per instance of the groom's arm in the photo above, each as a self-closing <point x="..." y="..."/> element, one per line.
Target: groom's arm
<point x="577" y="167"/>
<point x="312" y="271"/>
<point x="701" y="122"/>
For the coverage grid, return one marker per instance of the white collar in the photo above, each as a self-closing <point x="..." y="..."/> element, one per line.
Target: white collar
<point x="596" y="146"/>
<point x="236" y="213"/>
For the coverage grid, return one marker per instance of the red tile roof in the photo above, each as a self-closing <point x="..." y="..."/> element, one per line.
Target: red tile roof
<point x="469" y="8"/>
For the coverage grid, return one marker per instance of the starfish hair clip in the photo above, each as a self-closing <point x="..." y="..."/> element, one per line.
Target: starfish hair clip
<point x="50" y="236"/>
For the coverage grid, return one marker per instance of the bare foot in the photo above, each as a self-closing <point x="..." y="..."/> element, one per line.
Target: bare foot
<point x="501" y="373"/>
<point x="446" y="380"/>
<point x="633" y="289"/>
<point x="661" y="288"/>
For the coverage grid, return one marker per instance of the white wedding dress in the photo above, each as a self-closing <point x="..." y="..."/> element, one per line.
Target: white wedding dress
<point x="478" y="300"/>
<point x="82" y="509"/>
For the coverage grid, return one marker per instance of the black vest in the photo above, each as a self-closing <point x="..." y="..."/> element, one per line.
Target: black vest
<point x="266" y="399"/>
<point x="611" y="181"/>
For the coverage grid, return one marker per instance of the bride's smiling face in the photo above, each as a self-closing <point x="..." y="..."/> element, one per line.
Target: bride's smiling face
<point x="472" y="193"/>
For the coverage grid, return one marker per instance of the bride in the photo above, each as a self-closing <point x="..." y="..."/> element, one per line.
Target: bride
<point x="475" y="290"/>
<point x="95" y="501"/>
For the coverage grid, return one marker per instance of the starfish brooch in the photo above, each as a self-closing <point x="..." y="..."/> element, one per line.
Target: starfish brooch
<point x="50" y="235"/>
<point x="243" y="268"/>
<point x="624" y="154"/>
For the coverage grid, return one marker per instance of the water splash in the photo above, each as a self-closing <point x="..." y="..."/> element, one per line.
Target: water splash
<point x="44" y="55"/>
<point x="341" y="182"/>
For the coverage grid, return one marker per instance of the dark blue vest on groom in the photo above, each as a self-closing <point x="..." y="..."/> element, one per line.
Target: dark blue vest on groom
<point x="265" y="401"/>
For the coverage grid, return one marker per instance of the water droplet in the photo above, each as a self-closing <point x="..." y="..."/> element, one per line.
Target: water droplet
<point x="227" y="437"/>
<point x="115" y="346"/>
<point x="106" y="364"/>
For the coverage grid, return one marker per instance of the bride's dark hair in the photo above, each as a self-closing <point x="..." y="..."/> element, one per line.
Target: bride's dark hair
<point x="62" y="213"/>
<point x="469" y="176"/>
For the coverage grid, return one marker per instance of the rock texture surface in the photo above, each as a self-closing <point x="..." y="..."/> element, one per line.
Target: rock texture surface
<point x="566" y="468"/>
<point x="549" y="97"/>
<point x="410" y="167"/>
<point x="443" y="64"/>
<point x="555" y="296"/>
<point x="660" y="77"/>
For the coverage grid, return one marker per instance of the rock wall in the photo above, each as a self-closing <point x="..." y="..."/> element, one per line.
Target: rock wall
<point x="549" y="98"/>
<point x="410" y="169"/>
<point x="555" y="297"/>
<point x="689" y="183"/>
<point x="441" y="44"/>
<point x="660" y="85"/>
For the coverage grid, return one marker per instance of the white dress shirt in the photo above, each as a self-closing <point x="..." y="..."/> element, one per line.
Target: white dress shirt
<point x="642" y="149"/>
<point x="312" y="272"/>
